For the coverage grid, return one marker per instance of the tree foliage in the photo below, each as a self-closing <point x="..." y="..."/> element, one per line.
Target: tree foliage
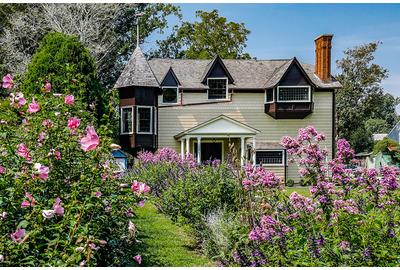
<point x="362" y="97"/>
<point x="213" y="34"/>
<point x="107" y="30"/>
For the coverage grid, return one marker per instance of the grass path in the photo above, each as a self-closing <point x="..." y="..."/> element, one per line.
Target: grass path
<point x="163" y="243"/>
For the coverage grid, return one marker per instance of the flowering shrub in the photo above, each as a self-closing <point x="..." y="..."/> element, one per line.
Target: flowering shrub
<point x="62" y="203"/>
<point x="352" y="217"/>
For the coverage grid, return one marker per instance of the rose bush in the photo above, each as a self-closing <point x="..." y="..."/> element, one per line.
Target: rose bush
<point x="62" y="200"/>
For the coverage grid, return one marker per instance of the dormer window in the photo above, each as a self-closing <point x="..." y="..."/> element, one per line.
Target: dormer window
<point x="294" y="94"/>
<point x="217" y="88"/>
<point x="170" y="95"/>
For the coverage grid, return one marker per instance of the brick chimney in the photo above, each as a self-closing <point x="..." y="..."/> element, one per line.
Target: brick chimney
<point x="323" y="45"/>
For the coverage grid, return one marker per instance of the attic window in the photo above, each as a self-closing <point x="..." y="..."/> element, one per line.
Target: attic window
<point x="294" y="94"/>
<point x="218" y="88"/>
<point x="170" y="95"/>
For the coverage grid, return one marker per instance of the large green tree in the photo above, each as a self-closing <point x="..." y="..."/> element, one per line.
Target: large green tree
<point x="363" y="107"/>
<point x="107" y="30"/>
<point x="211" y="35"/>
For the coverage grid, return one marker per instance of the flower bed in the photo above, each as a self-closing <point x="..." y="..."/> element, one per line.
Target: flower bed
<point x="243" y="217"/>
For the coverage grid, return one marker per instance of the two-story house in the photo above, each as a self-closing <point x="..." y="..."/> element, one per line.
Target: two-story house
<point x="213" y="107"/>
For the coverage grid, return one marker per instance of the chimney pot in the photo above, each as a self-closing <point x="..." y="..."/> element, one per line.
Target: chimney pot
<point x="323" y="45"/>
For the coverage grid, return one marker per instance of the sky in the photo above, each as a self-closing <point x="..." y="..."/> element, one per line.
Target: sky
<point x="288" y="30"/>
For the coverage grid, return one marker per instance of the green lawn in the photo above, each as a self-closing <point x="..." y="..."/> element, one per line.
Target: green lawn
<point x="305" y="191"/>
<point x="163" y="243"/>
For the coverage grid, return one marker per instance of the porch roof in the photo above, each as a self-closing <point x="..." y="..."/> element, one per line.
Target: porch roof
<point x="220" y="126"/>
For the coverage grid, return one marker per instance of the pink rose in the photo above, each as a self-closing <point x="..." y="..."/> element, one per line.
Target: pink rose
<point x="73" y="123"/>
<point x="43" y="171"/>
<point x="90" y="141"/>
<point x="23" y="151"/>
<point x="69" y="99"/>
<point x="8" y="82"/>
<point x="138" y="259"/>
<point x="47" y="87"/>
<point x="18" y="235"/>
<point x="33" y="107"/>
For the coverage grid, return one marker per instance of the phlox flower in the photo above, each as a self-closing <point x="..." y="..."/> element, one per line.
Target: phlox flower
<point x="90" y="141"/>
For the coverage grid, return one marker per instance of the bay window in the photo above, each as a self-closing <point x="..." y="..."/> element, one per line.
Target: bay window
<point x="144" y="121"/>
<point x="127" y="120"/>
<point x="294" y="93"/>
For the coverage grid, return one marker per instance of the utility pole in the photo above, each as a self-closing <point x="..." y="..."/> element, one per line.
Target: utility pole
<point x="138" y="15"/>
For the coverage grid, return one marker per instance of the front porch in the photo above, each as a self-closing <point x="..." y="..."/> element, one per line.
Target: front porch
<point x="217" y="138"/>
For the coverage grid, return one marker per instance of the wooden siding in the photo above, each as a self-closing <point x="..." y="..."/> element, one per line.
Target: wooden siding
<point x="249" y="109"/>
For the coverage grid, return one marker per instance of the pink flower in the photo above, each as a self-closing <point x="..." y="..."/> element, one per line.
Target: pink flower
<point x="58" y="209"/>
<point x="18" y="235"/>
<point x="2" y="170"/>
<point x="98" y="194"/>
<point x="47" y="123"/>
<point x="30" y="202"/>
<point x="69" y="99"/>
<point x="90" y="141"/>
<point x="43" y="171"/>
<point x="47" y="87"/>
<point x="8" y="82"/>
<point x="58" y="155"/>
<point x="141" y="203"/>
<point x="33" y="107"/>
<point x="138" y="259"/>
<point x="73" y="123"/>
<point x="23" y="151"/>
<point x="41" y="136"/>
<point x="139" y="187"/>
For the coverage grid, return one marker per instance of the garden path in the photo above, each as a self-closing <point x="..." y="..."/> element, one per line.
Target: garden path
<point x="163" y="243"/>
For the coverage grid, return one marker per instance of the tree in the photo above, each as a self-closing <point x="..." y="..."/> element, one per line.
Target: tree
<point x="107" y="30"/>
<point x="212" y="35"/>
<point x="362" y="97"/>
<point x="69" y="67"/>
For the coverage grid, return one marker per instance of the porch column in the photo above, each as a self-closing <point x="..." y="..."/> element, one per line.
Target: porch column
<point x="242" y="152"/>
<point x="182" y="148"/>
<point x="198" y="149"/>
<point x="187" y="145"/>
<point x="254" y="151"/>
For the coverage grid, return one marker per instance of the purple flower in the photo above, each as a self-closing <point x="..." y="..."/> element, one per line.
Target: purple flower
<point x="138" y="259"/>
<point x="344" y="245"/>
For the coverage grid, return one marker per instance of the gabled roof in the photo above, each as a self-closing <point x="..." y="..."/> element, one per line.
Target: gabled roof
<point x="220" y="125"/>
<point x="170" y="71"/>
<point x="210" y="67"/>
<point x="248" y="73"/>
<point x="137" y="72"/>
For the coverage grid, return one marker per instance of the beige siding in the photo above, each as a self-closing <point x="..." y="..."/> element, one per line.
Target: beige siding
<point x="249" y="109"/>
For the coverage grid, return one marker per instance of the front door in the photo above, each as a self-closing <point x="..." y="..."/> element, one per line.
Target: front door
<point x="210" y="150"/>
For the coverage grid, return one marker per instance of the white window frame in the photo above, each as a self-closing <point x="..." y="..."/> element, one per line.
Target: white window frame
<point x="294" y="86"/>
<point x="226" y="90"/>
<point x="138" y="119"/>
<point x="273" y="96"/>
<point x="177" y="95"/>
<point x="155" y="120"/>
<point x="272" y="150"/>
<point x="120" y="123"/>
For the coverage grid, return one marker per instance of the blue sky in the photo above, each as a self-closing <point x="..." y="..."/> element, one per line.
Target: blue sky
<point x="287" y="30"/>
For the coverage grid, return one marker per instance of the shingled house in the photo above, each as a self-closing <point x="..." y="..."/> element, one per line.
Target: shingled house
<point x="209" y="107"/>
